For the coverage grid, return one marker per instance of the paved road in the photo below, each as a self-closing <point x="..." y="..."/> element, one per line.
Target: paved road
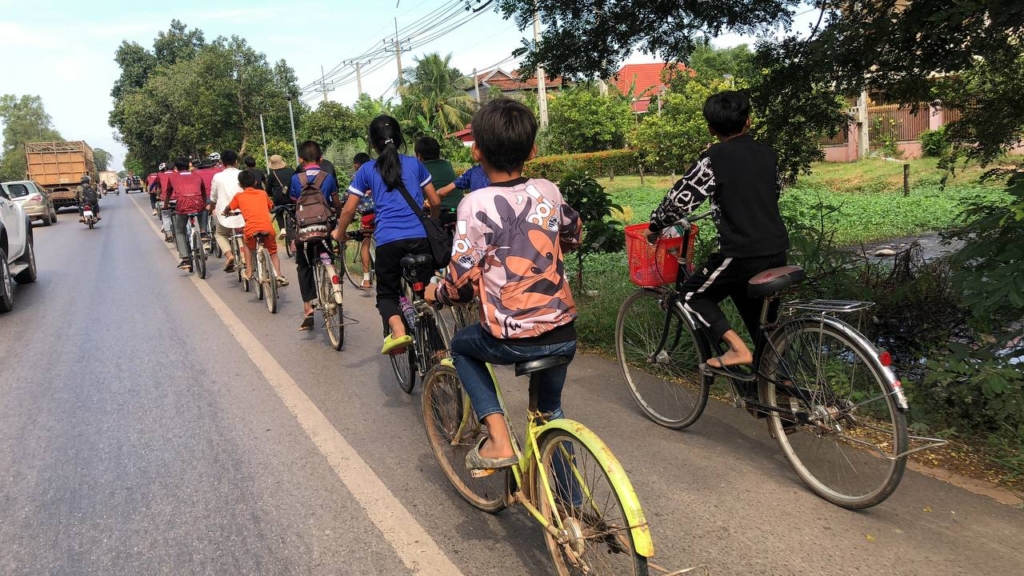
<point x="145" y="431"/>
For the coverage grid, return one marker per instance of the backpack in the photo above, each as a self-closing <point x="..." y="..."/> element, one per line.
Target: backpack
<point x="311" y="209"/>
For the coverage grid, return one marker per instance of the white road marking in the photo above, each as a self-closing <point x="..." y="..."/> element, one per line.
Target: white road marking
<point x="410" y="541"/>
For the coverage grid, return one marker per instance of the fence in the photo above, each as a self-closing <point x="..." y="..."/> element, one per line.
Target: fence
<point x="892" y="123"/>
<point x="840" y="139"/>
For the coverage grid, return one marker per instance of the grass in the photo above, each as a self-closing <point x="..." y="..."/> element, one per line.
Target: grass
<point x="868" y="196"/>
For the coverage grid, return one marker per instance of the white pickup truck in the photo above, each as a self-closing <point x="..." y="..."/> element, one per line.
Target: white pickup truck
<point x="17" y="254"/>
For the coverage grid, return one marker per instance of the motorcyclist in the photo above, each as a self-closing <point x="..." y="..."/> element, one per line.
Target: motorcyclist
<point x="87" y="195"/>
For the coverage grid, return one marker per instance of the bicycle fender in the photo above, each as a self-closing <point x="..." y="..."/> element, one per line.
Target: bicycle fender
<point x="640" y="530"/>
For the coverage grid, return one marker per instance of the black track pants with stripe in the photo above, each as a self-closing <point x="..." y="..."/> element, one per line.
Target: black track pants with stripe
<point x="723" y="277"/>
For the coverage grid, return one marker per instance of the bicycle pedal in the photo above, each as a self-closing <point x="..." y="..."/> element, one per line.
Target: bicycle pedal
<point x="482" y="473"/>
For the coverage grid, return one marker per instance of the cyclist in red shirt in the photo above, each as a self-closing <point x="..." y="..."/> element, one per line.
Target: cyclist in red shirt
<point x="150" y="181"/>
<point x="161" y="182"/>
<point x="189" y="191"/>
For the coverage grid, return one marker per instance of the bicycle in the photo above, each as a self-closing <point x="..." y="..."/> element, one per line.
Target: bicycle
<point x="264" y="275"/>
<point x="329" y="289"/>
<point x="196" y="248"/>
<point x="822" y="386"/>
<point x="354" y="265"/>
<point x="567" y="478"/>
<point x="428" y="328"/>
<point x="288" y="211"/>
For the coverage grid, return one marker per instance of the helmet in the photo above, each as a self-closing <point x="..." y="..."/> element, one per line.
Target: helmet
<point x="162" y="167"/>
<point x="215" y="157"/>
<point x="86" y="179"/>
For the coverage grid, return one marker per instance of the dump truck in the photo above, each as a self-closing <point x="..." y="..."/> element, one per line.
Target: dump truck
<point x="110" y="177"/>
<point x="58" y="167"/>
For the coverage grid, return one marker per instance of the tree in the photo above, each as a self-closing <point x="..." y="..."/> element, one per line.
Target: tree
<point x="25" y="120"/>
<point x="717" y="63"/>
<point x="102" y="159"/>
<point x="670" y="140"/>
<point x="584" y="120"/>
<point x="192" y="97"/>
<point x="435" y="92"/>
<point x="331" y="122"/>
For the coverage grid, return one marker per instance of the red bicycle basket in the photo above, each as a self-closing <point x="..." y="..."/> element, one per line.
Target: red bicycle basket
<point x="651" y="266"/>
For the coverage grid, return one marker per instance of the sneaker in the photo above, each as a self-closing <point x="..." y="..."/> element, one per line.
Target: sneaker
<point x="155" y="213"/>
<point x="185" y="263"/>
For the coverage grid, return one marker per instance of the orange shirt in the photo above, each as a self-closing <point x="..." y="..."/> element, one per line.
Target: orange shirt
<point x="255" y="206"/>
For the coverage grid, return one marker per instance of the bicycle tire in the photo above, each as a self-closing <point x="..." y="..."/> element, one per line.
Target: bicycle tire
<point x="609" y="547"/>
<point x="823" y="335"/>
<point x="270" y="280"/>
<point x="257" y="275"/>
<point x="289" y="235"/>
<point x="333" y="312"/>
<point x="352" y="261"/>
<point x="246" y="284"/>
<point x="671" y="391"/>
<point x="198" y="254"/>
<point x="444" y="404"/>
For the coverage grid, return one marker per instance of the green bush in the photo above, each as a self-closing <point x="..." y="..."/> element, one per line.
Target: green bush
<point x="597" y="164"/>
<point x="935" y="143"/>
<point x="600" y="232"/>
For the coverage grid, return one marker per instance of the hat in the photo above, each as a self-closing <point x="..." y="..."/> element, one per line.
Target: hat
<point x="276" y="162"/>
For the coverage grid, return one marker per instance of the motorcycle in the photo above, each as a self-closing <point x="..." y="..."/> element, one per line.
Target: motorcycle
<point x="87" y="216"/>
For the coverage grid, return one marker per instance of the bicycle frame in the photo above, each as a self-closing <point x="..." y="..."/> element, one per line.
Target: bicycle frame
<point x="529" y="463"/>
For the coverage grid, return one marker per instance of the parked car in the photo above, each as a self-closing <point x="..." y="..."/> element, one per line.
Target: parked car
<point x="34" y="199"/>
<point x="17" y="253"/>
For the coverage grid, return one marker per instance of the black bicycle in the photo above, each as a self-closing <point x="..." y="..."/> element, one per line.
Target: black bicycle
<point x="290" y="234"/>
<point x="431" y="333"/>
<point x="830" y="397"/>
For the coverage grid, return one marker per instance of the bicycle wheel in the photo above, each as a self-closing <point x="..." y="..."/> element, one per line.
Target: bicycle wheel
<point x="591" y="510"/>
<point x="198" y="254"/>
<point x="849" y="453"/>
<point x="432" y="332"/>
<point x="257" y="274"/>
<point x="666" y="383"/>
<point x="333" y="311"/>
<point x="352" y="260"/>
<point x="289" y="236"/>
<point x="269" y="280"/>
<point x="444" y="408"/>
<point x="246" y="284"/>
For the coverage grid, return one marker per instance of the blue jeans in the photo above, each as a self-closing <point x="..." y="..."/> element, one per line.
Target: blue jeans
<point x="473" y="348"/>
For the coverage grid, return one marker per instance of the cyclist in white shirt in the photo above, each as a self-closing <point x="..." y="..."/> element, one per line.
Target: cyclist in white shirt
<point x="223" y="190"/>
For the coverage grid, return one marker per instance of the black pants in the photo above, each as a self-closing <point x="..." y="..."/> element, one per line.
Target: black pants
<point x="389" y="273"/>
<point x="152" y="201"/>
<point x="306" y="253"/>
<point x="723" y="277"/>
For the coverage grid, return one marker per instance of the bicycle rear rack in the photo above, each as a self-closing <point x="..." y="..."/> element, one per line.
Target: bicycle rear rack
<point x="828" y="306"/>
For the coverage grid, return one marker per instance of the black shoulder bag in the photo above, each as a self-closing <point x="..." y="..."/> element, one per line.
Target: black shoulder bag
<point x="440" y="243"/>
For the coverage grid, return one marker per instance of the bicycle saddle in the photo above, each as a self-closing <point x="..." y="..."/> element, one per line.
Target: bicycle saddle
<point x="415" y="261"/>
<point x="774" y="280"/>
<point x="530" y="366"/>
<point x="261" y="235"/>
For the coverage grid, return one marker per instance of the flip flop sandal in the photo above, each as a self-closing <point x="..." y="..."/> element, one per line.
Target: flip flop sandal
<point x="229" y="267"/>
<point x="479" y="466"/>
<point x="728" y="371"/>
<point x="307" y="323"/>
<point x="394" y="346"/>
<point x="281" y="281"/>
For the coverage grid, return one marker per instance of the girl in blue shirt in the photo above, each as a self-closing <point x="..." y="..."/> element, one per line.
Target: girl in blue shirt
<point x="397" y="229"/>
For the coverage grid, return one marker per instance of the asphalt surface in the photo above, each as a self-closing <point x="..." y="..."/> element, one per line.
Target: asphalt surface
<point x="144" y="430"/>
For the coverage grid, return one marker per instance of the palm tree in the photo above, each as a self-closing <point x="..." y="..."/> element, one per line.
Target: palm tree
<point x="434" y="96"/>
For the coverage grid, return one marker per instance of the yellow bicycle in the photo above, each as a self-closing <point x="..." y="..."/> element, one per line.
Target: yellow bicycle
<point x="566" y="477"/>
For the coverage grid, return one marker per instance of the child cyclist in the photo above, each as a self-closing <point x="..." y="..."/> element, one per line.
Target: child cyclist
<point x="255" y="206"/>
<point x="365" y="212"/>
<point x="397" y="228"/>
<point x="741" y="178"/>
<point x="509" y="243"/>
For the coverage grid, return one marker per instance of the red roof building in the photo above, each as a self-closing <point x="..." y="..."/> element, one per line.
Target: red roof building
<point x="649" y="81"/>
<point x="510" y="83"/>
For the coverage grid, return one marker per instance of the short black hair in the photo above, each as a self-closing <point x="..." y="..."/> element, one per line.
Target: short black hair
<point x="229" y="157"/>
<point x="361" y="158"/>
<point x="246" y="179"/>
<point x="428" y="148"/>
<point x="181" y="163"/>
<point x="727" y="112"/>
<point x="310" y="151"/>
<point x="505" y="131"/>
<point x="250" y="161"/>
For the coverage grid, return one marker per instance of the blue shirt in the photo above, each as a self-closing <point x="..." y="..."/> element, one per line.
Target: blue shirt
<point x="394" y="219"/>
<point x="473" y="179"/>
<point x="329" y="186"/>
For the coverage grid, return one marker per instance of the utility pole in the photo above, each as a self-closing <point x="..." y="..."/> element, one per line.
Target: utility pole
<point x="396" y="46"/>
<point x="359" y="77"/>
<point x="476" y="86"/>
<point x="295" y="142"/>
<point x="863" y="146"/>
<point x="323" y="83"/>
<point x="542" y="95"/>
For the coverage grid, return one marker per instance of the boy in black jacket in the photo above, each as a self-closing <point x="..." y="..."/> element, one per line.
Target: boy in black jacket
<point x="741" y="178"/>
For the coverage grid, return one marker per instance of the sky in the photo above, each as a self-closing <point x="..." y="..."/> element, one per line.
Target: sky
<point x="63" y="50"/>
